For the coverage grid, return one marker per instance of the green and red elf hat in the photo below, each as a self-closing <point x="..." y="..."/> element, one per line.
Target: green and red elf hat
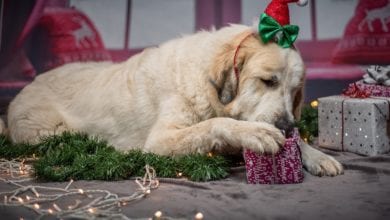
<point x="275" y="25"/>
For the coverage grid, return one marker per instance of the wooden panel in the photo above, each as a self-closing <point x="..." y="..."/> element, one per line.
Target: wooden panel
<point x="231" y="12"/>
<point x="217" y="13"/>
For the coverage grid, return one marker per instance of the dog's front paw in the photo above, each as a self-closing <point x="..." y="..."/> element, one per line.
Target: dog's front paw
<point x="262" y="138"/>
<point x="323" y="165"/>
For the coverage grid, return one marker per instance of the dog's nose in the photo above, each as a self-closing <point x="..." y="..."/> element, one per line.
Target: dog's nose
<point x="285" y="125"/>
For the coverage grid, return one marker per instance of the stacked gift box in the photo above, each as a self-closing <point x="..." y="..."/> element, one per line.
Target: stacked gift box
<point x="357" y="121"/>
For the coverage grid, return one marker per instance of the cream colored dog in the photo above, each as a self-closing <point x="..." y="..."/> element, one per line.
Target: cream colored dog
<point x="178" y="98"/>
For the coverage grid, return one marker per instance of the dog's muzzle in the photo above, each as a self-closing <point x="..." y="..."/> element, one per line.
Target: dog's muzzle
<point x="285" y="125"/>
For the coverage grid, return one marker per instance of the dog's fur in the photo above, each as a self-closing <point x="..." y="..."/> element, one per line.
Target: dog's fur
<point x="178" y="98"/>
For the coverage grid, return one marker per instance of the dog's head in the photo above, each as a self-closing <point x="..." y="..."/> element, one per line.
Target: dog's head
<point x="270" y="85"/>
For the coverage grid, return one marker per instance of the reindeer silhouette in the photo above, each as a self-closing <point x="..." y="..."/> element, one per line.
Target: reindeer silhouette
<point x="84" y="36"/>
<point x="383" y="14"/>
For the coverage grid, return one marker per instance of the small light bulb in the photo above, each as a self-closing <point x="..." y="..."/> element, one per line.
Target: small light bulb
<point x="210" y="154"/>
<point x="28" y="198"/>
<point x="314" y="104"/>
<point x="81" y="191"/>
<point x="179" y="174"/>
<point x="199" y="216"/>
<point x="91" y="210"/>
<point x="158" y="214"/>
<point x="50" y="211"/>
<point x="20" y="200"/>
<point x="147" y="191"/>
<point x="36" y="206"/>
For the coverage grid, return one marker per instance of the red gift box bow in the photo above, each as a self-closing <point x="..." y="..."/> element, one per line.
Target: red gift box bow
<point x="354" y="91"/>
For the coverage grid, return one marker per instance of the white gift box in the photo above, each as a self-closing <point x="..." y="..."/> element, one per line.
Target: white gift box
<point x="356" y="125"/>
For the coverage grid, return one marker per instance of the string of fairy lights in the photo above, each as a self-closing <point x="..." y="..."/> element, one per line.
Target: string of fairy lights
<point x="69" y="202"/>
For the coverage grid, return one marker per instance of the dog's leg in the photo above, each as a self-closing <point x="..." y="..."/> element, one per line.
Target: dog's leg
<point x="33" y="124"/>
<point x="213" y="134"/>
<point x="318" y="163"/>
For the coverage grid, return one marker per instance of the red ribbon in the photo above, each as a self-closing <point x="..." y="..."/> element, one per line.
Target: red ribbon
<point x="353" y="91"/>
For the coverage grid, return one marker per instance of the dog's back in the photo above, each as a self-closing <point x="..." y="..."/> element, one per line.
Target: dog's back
<point x="118" y="102"/>
<point x="44" y="106"/>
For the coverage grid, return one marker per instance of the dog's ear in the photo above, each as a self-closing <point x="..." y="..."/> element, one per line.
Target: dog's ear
<point x="222" y="70"/>
<point x="297" y="103"/>
<point x="221" y="74"/>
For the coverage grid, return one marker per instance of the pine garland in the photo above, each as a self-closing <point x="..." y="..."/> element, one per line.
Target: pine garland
<point x="308" y="125"/>
<point x="79" y="157"/>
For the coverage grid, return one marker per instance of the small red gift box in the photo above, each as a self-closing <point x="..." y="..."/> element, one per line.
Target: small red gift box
<point x="282" y="168"/>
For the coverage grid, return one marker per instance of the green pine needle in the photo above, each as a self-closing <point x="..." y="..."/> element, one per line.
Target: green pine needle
<point x="202" y="168"/>
<point x="308" y="125"/>
<point x="76" y="156"/>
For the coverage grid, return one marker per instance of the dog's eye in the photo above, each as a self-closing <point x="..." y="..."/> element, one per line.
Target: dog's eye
<point x="271" y="82"/>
